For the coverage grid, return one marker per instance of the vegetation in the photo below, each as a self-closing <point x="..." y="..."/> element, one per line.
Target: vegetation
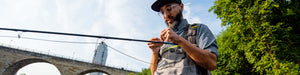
<point x="23" y="74"/>
<point x="146" y="71"/>
<point x="261" y="37"/>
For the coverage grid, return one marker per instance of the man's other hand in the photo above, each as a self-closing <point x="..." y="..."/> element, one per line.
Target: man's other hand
<point x="155" y="46"/>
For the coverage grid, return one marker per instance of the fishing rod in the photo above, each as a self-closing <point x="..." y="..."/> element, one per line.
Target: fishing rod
<point x="83" y="35"/>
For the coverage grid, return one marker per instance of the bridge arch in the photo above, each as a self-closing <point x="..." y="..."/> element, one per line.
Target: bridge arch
<point x="16" y="66"/>
<point x="13" y="60"/>
<point x="93" y="70"/>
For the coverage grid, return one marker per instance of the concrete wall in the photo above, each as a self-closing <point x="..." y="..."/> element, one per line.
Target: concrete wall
<point x="11" y="60"/>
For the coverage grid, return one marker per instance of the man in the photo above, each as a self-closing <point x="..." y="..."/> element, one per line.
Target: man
<point x="189" y="57"/>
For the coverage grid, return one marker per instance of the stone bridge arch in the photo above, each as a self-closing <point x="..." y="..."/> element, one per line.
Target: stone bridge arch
<point x="16" y="66"/>
<point x="12" y="59"/>
<point x="93" y="70"/>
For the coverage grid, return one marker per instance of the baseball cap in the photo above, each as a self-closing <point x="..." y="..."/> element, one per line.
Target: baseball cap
<point x="159" y="3"/>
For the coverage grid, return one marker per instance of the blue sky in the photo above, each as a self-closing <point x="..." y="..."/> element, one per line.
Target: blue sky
<point x="117" y="18"/>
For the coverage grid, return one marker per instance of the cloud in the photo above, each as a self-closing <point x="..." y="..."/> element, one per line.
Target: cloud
<point x="189" y="16"/>
<point x="197" y="12"/>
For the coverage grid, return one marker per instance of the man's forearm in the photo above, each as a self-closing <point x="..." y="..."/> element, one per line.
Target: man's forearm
<point x="202" y="57"/>
<point x="154" y="61"/>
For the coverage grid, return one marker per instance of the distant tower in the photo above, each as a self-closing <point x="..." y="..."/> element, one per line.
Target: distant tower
<point x="100" y="56"/>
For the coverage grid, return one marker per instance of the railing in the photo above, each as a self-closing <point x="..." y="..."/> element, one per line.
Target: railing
<point x="63" y="56"/>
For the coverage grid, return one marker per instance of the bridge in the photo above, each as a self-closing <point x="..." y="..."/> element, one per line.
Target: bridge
<point x="13" y="59"/>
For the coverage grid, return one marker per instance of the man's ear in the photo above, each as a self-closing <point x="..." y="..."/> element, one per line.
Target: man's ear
<point x="181" y="7"/>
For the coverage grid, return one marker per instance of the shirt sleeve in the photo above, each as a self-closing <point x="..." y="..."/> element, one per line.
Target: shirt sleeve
<point x="206" y="40"/>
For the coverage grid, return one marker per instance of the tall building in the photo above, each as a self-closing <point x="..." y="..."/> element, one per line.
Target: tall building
<point x="100" y="56"/>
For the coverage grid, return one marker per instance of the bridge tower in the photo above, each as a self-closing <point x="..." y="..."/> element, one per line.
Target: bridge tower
<point x="100" y="56"/>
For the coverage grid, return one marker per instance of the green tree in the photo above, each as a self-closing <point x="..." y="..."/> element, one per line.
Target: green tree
<point x="23" y="74"/>
<point x="261" y="37"/>
<point x="145" y="71"/>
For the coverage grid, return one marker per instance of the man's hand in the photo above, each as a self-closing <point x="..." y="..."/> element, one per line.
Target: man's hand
<point x="155" y="46"/>
<point x="170" y="36"/>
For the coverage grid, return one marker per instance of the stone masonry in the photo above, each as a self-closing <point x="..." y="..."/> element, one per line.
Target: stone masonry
<point x="11" y="60"/>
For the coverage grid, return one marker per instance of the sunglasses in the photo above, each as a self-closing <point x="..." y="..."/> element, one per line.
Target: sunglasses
<point x="168" y="8"/>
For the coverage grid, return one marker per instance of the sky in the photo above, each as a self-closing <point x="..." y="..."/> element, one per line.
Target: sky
<point x="116" y="18"/>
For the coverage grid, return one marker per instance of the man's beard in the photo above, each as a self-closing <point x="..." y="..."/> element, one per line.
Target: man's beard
<point x="177" y="20"/>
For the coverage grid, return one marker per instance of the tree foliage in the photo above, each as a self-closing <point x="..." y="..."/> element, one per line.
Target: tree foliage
<point x="145" y="71"/>
<point x="23" y="74"/>
<point x="261" y="36"/>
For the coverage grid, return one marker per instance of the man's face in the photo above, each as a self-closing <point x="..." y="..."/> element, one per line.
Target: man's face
<point x="172" y="13"/>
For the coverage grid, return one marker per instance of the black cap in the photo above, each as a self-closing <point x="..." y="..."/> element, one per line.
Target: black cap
<point x="159" y="3"/>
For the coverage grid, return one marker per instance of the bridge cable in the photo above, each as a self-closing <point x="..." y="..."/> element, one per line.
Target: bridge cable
<point x="129" y="55"/>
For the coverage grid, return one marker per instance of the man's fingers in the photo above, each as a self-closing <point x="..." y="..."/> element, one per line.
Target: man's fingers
<point x="163" y="33"/>
<point x="167" y="37"/>
<point x="154" y="39"/>
<point x="153" y="45"/>
<point x="150" y="46"/>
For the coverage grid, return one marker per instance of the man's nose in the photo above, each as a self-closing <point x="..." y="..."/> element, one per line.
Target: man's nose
<point x="166" y="14"/>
